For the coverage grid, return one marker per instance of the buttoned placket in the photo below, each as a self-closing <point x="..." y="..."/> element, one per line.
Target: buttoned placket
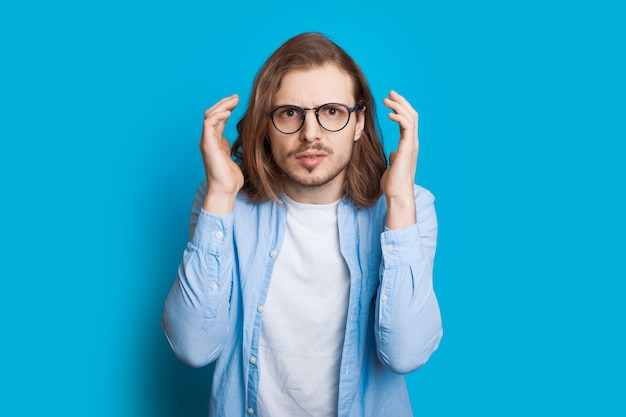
<point x="349" y="250"/>
<point x="253" y="366"/>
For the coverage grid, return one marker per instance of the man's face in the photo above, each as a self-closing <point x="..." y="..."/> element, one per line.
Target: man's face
<point x="313" y="159"/>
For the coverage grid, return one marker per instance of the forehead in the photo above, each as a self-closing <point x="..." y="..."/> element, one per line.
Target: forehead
<point x="314" y="86"/>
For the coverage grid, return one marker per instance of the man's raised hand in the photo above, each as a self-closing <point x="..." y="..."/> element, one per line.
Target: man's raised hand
<point x="397" y="181"/>
<point x="223" y="175"/>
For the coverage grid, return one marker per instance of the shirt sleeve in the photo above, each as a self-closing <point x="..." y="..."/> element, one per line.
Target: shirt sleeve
<point x="408" y="321"/>
<point x="195" y="316"/>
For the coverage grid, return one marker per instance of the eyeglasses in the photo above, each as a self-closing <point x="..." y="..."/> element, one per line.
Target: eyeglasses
<point x="331" y="116"/>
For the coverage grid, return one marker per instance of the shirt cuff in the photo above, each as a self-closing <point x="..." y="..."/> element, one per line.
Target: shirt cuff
<point x="400" y="246"/>
<point x="212" y="231"/>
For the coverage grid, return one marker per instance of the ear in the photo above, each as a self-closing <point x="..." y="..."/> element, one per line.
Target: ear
<point x="360" y="123"/>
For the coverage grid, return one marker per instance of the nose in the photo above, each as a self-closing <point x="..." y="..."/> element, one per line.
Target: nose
<point x="311" y="130"/>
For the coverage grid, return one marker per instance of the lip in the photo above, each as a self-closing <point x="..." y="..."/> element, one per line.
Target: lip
<point x="311" y="159"/>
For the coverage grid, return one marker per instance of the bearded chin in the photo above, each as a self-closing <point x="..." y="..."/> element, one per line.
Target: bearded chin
<point x="311" y="180"/>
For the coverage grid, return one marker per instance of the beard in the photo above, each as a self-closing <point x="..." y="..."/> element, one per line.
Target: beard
<point x="312" y="180"/>
<point x="313" y="177"/>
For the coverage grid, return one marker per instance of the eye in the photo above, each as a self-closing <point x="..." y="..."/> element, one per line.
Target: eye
<point x="333" y="111"/>
<point x="288" y="112"/>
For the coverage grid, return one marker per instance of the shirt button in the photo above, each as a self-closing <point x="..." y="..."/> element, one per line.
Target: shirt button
<point x="252" y="360"/>
<point x="250" y="411"/>
<point x="273" y="254"/>
<point x="219" y="235"/>
<point x="389" y="248"/>
<point x="214" y="287"/>
<point x="384" y="298"/>
<point x="259" y="309"/>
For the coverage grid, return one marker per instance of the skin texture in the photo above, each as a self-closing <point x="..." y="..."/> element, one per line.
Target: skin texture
<point x="223" y="175"/>
<point x="317" y="180"/>
<point x="397" y="181"/>
<point x="314" y="160"/>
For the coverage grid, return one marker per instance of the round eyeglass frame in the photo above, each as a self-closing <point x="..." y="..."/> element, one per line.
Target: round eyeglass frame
<point x="317" y="115"/>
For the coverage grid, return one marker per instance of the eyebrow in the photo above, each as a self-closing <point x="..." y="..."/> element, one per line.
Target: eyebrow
<point x="319" y="105"/>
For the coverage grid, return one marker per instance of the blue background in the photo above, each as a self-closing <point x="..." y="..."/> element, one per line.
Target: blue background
<point x="521" y="127"/>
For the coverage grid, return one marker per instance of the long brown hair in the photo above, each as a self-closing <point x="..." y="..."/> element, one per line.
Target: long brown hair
<point x="251" y="150"/>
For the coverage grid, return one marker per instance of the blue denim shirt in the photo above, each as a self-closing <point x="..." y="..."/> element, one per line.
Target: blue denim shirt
<point x="213" y="311"/>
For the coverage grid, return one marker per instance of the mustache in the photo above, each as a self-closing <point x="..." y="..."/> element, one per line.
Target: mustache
<point x="315" y="147"/>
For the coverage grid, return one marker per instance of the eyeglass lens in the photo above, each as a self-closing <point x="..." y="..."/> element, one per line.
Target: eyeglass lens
<point x="332" y="117"/>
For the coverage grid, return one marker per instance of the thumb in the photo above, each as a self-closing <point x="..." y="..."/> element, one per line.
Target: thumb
<point x="225" y="145"/>
<point x="392" y="157"/>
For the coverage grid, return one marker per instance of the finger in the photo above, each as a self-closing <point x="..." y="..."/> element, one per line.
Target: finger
<point x="399" y="104"/>
<point x="403" y="160"/>
<point x="393" y="95"/>
<point x="221" y="125"/>
<point x="217" y="120"/>
<point x="403" y="112"/>
<point x="212" y="130"/>
<point x="401" y="108"/>
<point x="404" y="119"/>
<point x="407" y="124"/>
<point x="408" y="143"/>
<point x="227" y="103"/>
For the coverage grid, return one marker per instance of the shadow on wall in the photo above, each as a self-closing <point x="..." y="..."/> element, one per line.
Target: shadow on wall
<point x="169" y="388"/>
<point x="176" y="389"/>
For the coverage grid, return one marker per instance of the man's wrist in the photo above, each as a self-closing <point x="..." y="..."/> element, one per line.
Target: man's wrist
<point x="400" y="212"/>
<point x="219" y="204"/>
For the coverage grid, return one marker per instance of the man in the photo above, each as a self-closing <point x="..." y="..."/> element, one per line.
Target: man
<point x="308" y="274"/>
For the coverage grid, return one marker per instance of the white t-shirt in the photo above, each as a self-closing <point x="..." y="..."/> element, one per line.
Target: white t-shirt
<point x="304" y="317"/>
